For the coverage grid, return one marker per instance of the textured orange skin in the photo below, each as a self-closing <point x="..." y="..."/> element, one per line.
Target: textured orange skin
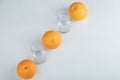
<point x="26" y="69"/>
<point x="51" y="39"/>
<point x="78" y="11"/>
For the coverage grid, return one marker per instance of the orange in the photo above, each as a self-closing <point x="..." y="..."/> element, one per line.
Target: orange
<point x="78" y="11"/>
<point x="26" y="69"/>
<point x="51" y="39"/>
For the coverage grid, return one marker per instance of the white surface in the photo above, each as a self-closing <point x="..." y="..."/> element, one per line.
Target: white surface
<point x="91" y="51"/>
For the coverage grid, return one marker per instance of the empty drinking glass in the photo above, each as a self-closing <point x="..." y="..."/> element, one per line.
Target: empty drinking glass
<point x="64" y="22"/>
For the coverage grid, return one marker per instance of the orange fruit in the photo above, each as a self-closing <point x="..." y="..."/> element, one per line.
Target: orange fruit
<point x="78" y="11"/>
<point x="26" y="69"/>
<point x="51" y="39"/>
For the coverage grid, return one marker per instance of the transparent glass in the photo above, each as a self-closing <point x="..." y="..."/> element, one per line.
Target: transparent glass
<point x="39" y="55"/>
<point x="64" y="23"/>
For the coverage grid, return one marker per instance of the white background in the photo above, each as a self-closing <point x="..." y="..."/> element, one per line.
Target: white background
<point x="90" y="51"/>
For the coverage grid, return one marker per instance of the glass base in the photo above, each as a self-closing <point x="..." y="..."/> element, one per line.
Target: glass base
<point x="64" y="23"/>
<point x="40" y="56"/>
<point x="64" y="27"/>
